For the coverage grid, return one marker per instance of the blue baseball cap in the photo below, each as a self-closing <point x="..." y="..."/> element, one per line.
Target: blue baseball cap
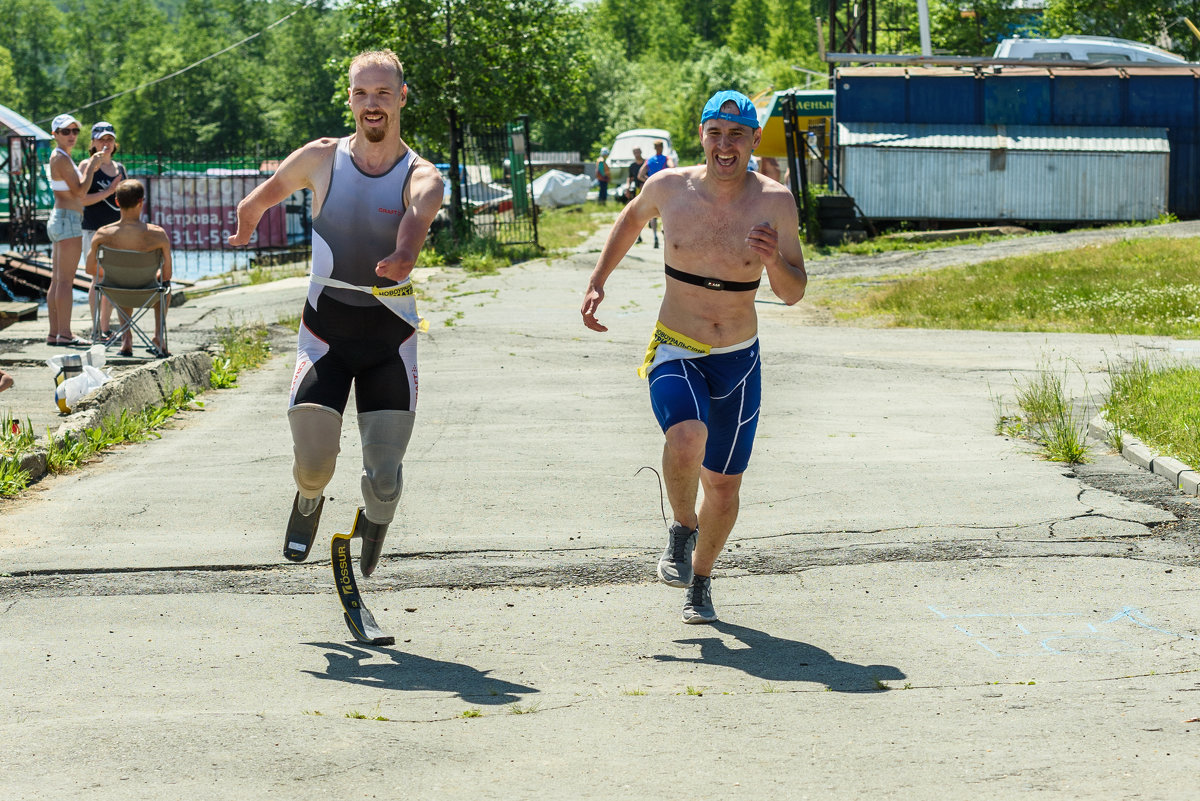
<point x="746" y="115"/>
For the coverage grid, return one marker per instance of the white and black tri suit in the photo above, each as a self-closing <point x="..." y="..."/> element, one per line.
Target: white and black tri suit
<point x="358" y="327"/>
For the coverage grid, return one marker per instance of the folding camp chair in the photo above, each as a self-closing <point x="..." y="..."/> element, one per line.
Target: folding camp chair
<point x="130" y="280"/>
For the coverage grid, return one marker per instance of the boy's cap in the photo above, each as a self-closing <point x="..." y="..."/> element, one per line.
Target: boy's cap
<point x="746" y="114"/>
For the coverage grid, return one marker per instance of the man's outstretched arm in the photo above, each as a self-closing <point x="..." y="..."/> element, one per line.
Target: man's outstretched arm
<point x="624" y="233"/>
<point x="295" y="173"/>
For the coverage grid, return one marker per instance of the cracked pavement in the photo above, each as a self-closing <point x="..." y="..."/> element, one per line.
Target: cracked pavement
<point x="911" y="606"/>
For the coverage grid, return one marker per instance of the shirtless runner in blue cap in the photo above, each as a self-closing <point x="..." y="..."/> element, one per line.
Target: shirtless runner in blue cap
<point x="725" y="226"/>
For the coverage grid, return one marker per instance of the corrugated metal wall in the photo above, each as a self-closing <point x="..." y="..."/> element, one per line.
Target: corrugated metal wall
<point x="895" y="183"/>
<point x="1127" y="97"/>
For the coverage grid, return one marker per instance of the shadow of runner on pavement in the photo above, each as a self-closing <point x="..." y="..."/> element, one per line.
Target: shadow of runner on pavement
<point x="349" y="663"/>
<point x="776" y="659"/>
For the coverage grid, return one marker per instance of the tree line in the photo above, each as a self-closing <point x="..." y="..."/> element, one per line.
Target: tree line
<point x="583" y="72"/>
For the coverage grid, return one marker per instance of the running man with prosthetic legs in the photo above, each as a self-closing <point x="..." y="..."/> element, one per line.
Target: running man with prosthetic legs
<point x="374" y="199"/>
<point x="727" y="225"/>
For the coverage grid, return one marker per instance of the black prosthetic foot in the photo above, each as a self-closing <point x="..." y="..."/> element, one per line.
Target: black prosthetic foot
<point x="358" y="618"/>
<point x="373" y="535"/>
<point x="301" y="530"/>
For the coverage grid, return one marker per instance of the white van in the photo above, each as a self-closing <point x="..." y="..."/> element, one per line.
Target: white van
<point x="1097" y="49"/>
<point x="621" y="153"/>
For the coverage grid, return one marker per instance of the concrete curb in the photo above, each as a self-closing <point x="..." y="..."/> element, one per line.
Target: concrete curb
<point x="145" y="386"/>
<point x="1137" y="452"/>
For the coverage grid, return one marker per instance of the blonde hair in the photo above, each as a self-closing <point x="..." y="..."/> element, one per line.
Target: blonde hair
<point x="380" y="58"/>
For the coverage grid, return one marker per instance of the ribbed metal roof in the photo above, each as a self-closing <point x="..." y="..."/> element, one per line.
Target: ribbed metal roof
<point x="1004" y="137"/>
<point x="15" y="123"/>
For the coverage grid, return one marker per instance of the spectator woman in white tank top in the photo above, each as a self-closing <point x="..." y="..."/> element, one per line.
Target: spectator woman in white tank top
<point x="65" y="228"/>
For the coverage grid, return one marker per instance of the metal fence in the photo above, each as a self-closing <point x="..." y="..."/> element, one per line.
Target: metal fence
<point x="194" y="198"/>
<point x="497" y="183"/>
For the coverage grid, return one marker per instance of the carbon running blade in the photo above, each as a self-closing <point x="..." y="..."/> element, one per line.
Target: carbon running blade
<point x="301" y="530"/>
<point x="358" y="618"/>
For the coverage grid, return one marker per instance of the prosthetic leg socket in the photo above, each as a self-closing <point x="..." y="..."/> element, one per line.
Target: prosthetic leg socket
<point x="373" y="535"/>
<point x="316" y="431"/>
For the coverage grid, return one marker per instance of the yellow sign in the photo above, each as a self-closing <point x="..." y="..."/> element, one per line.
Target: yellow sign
<point x="811" y="107"/>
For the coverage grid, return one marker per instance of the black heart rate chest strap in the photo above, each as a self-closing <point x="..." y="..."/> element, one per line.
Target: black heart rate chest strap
<point x="715" y="284"/>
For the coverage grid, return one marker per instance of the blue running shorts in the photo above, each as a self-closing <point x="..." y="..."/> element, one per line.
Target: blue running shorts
<point x="721" y="390"/>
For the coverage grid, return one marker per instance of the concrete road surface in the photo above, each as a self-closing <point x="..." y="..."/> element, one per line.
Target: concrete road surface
<point x="911" y="606"/>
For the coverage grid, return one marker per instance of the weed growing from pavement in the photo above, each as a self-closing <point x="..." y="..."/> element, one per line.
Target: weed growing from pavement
<point x="517" y="709"/>
<point x="244" y="347"/>
<point x="70" y="451"/>
<point x="694" y="690"/>
<point x="13" y="479"/>
<point x="1159" y="403"/>
<point x="471" y="713"/>
<point x="1047" y="417"/>
<point x="634" y="691"/>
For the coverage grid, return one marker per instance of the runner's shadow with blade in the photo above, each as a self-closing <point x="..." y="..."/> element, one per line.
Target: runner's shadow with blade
<point x="776" y="659"/>
<point x="355" y="665"/>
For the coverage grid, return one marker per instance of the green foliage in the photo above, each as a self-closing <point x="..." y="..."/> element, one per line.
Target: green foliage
<point x="1047" y="416"/>
<point x="1158" y="401"/>
<point x="12" y="478"/>
<point x="245" y="347"/>
<point x="477" y="61"/>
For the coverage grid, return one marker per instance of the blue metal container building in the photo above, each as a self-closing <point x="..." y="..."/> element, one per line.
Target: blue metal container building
<point x="1135" y="97"/>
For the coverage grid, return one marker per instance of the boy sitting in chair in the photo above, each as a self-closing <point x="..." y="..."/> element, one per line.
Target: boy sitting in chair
<point x="130" y="233"/>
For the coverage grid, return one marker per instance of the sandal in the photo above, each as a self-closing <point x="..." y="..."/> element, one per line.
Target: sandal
<point x="158" y="352"/>
<point x="125" y="352"/>
<point x="75" y="342"/>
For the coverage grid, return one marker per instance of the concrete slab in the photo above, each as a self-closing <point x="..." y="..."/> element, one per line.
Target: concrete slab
<point x="913" y="607"/>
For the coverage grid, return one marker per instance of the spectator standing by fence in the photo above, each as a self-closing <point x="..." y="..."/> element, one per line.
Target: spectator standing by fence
<point x="103" y="211"/>
<point x="602" y="174"/>
<point x="65" y="227"/>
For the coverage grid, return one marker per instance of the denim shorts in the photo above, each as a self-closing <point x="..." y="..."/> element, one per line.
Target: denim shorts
<point x="64" y="224"/>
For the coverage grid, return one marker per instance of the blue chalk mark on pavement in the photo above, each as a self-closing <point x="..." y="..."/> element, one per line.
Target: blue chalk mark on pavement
<point x="1056" y="633"/>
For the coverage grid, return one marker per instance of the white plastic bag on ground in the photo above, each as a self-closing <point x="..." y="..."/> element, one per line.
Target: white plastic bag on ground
<point x="77" y="374"/>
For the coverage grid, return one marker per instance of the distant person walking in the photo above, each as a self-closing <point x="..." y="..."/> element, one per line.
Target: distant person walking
<point x="655" y="164"/>
<point x="633" y="184"/>
<point x="374" y="199"/>
<point x="603" y="175"/>
<point x="65" y="228"/>
<point x="102" y="212"/>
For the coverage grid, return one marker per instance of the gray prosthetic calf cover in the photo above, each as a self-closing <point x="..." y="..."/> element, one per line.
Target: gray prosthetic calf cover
<point x="316" y="431"/>
<point x="385" y="436"/>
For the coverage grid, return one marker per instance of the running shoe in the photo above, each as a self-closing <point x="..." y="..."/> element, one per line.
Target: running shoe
<point x="699" y="606"/>
<point x="675" y="565"/>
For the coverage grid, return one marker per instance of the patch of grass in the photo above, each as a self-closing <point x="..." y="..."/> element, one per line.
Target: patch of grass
<point x="566" y="228"/>
<point x="634" y="691"/>
<point x="12" y="478"/>
<point x="880" y="684"/>
<point x="72" y="450"/>
<point x="694" y="690"/>
<point x="1159" y="403"/>
<point x="768" y="687"/>
<point x="471" y="713"/>
<point x="245" y="347"/>
<point x="1047" y="417"/>
<point x="1144" y="286"/>
<point x="871" y="247"/>
<point x="15" y="437"/>
<point x="517" y="709"/>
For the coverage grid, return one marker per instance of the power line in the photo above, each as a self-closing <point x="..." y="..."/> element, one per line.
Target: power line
<point x="193" y="65"/>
